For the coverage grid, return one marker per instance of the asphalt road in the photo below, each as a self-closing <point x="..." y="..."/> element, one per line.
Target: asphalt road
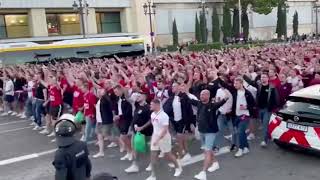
<point x="27" y="155"/>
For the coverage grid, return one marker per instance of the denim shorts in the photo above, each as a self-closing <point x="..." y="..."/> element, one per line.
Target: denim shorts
<point x="207" y="141"/>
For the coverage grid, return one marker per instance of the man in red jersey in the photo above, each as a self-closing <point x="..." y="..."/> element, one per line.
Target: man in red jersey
<point x="90" y="101"/>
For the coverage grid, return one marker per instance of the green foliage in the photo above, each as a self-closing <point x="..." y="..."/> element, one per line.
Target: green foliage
<point x="281" y="19"/>
<point x="175" y="36"/>
<point x="235" y="24"/>
<point x="226" y="24"/>
<point x="203" y="28"/>
<point x="295" y="24"/>
<point x="215" y="26"/>
<point x="197" y="29"/>
<point x="245" y="23"/>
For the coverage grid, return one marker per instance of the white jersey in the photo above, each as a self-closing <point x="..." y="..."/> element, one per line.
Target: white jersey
<point x="159" y="120"/>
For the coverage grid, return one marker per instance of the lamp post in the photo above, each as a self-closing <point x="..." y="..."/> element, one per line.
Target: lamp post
<point x="150" y="9"/>
<point x="80" y="8"/>
<point x="316" y="10"/>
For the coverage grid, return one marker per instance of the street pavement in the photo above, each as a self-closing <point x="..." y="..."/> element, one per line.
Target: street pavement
<point x="27" y="155"/>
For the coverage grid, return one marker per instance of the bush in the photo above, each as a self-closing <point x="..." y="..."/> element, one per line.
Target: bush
<point x="201" y="47"/>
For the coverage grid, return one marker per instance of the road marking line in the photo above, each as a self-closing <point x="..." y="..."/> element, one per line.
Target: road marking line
<point x="31" y="156"/>
<point x="13" y="122"/>
<point x="13" y="130"/>
<point x="200" y="157"/>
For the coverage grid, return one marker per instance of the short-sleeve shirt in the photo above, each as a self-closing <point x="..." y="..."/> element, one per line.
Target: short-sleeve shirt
<point x="77" y="99"/>
<point x="55" y="96"/>
<point x="159" y="120"/>
<point x="90" y="101"/>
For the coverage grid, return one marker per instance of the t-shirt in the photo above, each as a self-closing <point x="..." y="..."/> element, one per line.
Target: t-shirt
<point x="176" y="105"/>
<point x="90" y="101"/>
<point x="159" y="120"/>
<point x="77" y="99"/>
<point x="141" y="117"/>
<point x="39" y="91"/>
<point x="19" y="83"/>
<point x="241" y="101"/>
<point x="55" y="96"/>
<point x="9" y="88"/>
<point x="226" y="108"/>
<point x="30" y="88"/>
<point x="263" y="98"/>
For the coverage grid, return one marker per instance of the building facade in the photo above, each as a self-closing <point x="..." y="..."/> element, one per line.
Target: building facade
<point x="39" y="19"/>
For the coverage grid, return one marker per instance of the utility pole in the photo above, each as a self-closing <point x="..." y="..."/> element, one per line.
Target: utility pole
<point x="150" y="9"/>
<point x="80" y="8"/>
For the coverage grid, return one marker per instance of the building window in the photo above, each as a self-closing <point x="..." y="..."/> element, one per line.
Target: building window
<point x="63" y="24"/>
<point x="3" y="31"/>
<point x="108" y="22"/>
<point x="15" y="26"/>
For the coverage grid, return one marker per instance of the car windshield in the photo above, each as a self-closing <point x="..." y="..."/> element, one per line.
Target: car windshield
<point x="303" y="106"/>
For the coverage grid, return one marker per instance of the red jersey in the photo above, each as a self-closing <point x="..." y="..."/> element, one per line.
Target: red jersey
<point x="55" y="96"/>
<point x="78" y="99"/>
<point x="89" y="105"/>
<point x="275" y="82"/>
<point x="63" y="83"/>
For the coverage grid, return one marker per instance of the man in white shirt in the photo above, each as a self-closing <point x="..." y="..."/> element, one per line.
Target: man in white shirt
<point x="29" y="103"/>
<point x="8" y="95"/>
<point x="161" y="139"/>
<point x="224" y="118"/>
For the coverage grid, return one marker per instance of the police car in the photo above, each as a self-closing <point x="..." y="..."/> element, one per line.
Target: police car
<point x="297" y="124"/>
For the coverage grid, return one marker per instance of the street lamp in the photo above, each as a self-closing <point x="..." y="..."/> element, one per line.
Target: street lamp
<point x="316" y="10"/>
<point x="285" y="9"/>
<point x="150" y="9"/>
<point x="80" y="8"/>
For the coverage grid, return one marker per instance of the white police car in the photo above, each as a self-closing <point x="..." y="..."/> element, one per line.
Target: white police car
<point x="297" y="124"/>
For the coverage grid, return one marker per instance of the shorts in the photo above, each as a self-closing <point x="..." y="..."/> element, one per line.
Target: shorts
<point x="179" y="126"/>
<point x="124" y="126"/>
<point x="207" y="141"/>
<point x="104" y="129"/>
<point x="164" y="144"/>
<point x="9" y="98"/>
<point x="55" y="112"/>
<point x="20" y="96"/>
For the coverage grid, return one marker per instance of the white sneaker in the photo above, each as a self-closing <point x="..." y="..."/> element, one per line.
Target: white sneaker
<point x="33" y="124"/>
<point x="178" y="171"/>
<point x="52" y="134"/>
<point x="246" y="150"/>
<point x="44" y="131"/>
<point x="239" y="153"/>
<point x="186" y="157"/>
<point x="228" y="137"/>
<point x="36" y="128"/>
<point x="112" y="145"/>
<point x="263" y="144"/>
<point x="14" y="114"/>
<point x="215" y="166"/>
<point x="132" y="169"/>
<point x="149" y="168"/>
<point x="4" y="114"/>
<point x="151" y="178"/>
<point x="161" y="155"/>
<point x="98" y="155"/>
<point x="53" y="140"/>
<point x="9" y="112"/>
<point x="251" y="137"/>
<point x="23" y="116"/>
<point x="125" y="157"/>
<point x="201" y="176"/>
<point x="31" y="118"/>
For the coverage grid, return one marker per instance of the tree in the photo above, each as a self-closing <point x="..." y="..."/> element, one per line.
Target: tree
<point x="258" y="6"/>
<point x="245" y="23"/>
<point x="198" y="31"/>
<point x="235" y="25"/>
<point x="295" y="24"/>
<point x="281" y="19"/>
<point x="215" y="26"/>
<point x="203" y="28"/>
<point x="175" y="36"/>
<point x="226" y="24"/>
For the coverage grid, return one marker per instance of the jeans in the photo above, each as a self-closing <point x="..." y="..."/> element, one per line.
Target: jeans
<point x="265" y="115"/>
<point x="223" y="123"/>
<point x="29" y="108"/>
<point x="90" y="129"/>
<point x="38" y="111"/>
<point x="242" y="123"/>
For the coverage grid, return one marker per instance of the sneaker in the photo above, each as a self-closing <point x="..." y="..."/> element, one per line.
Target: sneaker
<point x="228" y="137"/>
<point x="178" y="171"/>
<point x="23" y="116"/>
<point x="33" y="124"/>
<point x="83" y="138"/>
<point x="31" y="118"/>
<point x="161" y="155"/>
<point x="4" y="114"/>
<point x="44" y="131"/>
<point x="9" y="112"/>
<point x="52" y="134"/>
<point x="149" y="168"/>
<point x="151" y="178"/>
<point x="233" y="147"/>
<point x="246" y="150"/>
<point x="263" y="144"/>
<point x="14" y="114"/>
<point x="186" y="157"/>
<point x="98" y="155"/>
<point x="251" y="137"/>
<point x="126" y="157"/>
<point x="36" y="128"/>
<point x="215" y="166"/>
<point x="53" y="140"/>
<point x="239" y="153"/>
<point x="201" y="176"/>
<point x="112" y="145"/>
<point x="132" y="169"/>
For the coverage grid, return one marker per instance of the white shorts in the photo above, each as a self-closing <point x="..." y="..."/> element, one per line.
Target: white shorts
<point x="164" y="144"/>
